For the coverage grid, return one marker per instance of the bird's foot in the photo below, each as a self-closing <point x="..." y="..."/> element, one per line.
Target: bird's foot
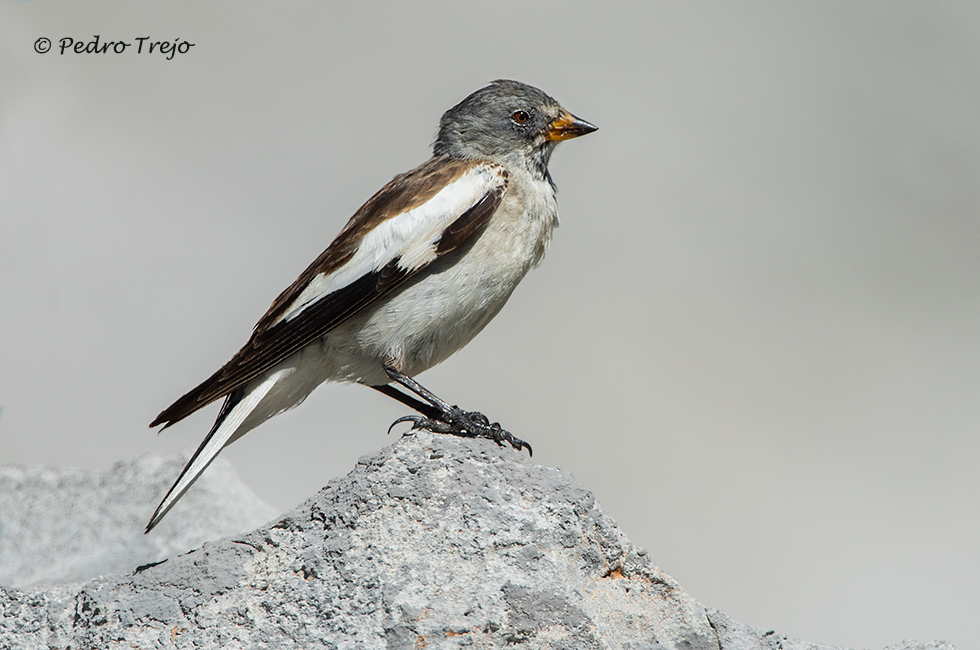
<point x="468" y="424"/>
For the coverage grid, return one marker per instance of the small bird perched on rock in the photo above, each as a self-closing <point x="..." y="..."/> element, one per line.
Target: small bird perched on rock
<point x="415" y="274"/>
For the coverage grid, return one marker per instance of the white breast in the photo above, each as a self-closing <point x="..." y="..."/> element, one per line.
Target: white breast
<point x="433" y="317"/>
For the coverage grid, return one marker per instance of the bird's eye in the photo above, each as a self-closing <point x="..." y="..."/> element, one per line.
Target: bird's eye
<point x="521" y="117"/>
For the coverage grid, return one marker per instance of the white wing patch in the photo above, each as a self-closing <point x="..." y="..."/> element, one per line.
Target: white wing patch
<point x="410" y="237"/>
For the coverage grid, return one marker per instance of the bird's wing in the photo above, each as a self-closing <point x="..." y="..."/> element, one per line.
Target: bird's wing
<point x="416" y="218"/>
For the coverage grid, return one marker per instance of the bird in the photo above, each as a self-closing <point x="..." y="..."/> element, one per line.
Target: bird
<point x="413" y="276"/>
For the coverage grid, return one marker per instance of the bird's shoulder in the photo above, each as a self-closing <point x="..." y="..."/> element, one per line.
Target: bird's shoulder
<point x="433" y="193"/>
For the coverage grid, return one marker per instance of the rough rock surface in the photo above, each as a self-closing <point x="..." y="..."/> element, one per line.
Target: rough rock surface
<point x="434" y="542"/>
<point x="72" y="525"/>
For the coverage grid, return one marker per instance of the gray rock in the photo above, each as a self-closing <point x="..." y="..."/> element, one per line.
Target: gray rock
<point x="735" y="635"/>
<point x="434" y="542"/>
<point x="72" y="525"/>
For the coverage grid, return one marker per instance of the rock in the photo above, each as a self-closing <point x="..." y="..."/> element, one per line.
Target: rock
<point x="735" y="635"/>
<point x="434" y="542"/>
<point x="72" y="525"/>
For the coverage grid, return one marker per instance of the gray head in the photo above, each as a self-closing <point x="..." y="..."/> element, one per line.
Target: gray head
<point x="508" y="122"/>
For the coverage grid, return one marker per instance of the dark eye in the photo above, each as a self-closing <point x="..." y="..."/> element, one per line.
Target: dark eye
<point x="521" y="117"/>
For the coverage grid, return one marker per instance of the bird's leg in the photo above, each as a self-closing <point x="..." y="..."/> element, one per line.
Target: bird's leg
<point x="425" y="409"/>
<point x="439" y="416"/>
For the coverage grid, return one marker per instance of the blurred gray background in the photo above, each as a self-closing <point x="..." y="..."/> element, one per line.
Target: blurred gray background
<point x="755" y="336"/>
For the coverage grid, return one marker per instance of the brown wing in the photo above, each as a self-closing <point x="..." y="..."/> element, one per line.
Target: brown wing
<point x="275" y="338"/>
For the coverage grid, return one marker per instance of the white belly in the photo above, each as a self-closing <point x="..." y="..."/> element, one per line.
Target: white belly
<point x="432" y="317"/>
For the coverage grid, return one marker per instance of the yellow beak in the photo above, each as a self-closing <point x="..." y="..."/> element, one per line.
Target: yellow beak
<point x="566" y="126"/>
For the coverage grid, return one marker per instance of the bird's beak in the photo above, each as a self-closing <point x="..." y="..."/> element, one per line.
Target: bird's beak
<point x="566" y="126"/>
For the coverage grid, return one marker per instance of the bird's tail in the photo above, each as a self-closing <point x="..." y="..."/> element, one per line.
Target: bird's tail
<point x="227" y="428"/>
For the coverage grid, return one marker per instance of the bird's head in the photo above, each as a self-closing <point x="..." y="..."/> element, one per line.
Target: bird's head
<point x="508" y="122"/>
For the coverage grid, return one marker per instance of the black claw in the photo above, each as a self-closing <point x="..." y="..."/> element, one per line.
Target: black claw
<point x="439" y="417"/>
<point x="468" y="424"/>
<point x="515" y="442"/>
<point x="416" y="420"/>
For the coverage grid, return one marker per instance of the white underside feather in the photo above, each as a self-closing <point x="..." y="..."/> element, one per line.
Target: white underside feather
<point x="217" y="442"/>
